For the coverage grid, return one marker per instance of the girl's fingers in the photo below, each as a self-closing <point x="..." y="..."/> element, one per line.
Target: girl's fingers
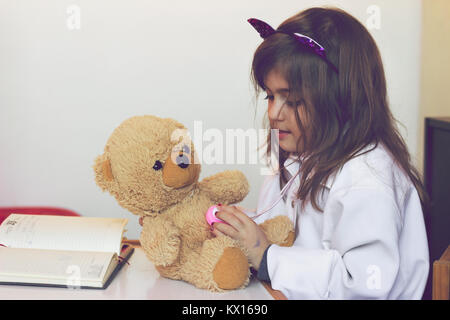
<point x="225" y="229"/>
<point x="244" y="210"/>
<point x="228" y="215"/>
<point x="237" y="213"/>
<point x="217" y="233"/>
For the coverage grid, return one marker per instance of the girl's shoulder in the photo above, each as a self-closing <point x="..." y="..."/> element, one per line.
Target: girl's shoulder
<point x="374" y="168"/>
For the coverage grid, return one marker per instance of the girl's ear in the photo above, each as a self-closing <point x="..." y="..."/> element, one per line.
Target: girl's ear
<point x="103" y="174"/>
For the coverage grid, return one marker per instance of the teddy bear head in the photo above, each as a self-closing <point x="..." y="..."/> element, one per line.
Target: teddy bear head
<point x="148" y="164"/>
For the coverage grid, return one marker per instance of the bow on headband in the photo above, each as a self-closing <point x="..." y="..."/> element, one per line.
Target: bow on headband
<point x="265" y="30"/>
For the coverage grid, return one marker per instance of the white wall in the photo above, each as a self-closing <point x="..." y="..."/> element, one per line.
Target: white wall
<point x="63" y="91"/>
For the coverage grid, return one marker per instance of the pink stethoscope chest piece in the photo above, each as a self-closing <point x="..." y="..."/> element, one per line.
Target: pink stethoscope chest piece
<point x="211" y="215"/>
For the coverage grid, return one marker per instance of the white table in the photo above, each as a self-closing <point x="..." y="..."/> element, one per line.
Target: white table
<point x="138" y="280"/>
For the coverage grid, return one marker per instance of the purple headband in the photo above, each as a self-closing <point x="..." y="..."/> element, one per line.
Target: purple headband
<point x="265" y="31"/>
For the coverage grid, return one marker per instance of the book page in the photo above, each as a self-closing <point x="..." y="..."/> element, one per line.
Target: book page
<point x="37" y="266"/>
<point x="62" y="233"/>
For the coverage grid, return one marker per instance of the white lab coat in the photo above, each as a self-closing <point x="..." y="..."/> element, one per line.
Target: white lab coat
<point x="369" y="243"/>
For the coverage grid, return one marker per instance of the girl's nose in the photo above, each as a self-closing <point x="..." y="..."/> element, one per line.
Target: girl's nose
<point x="275" y="111"/>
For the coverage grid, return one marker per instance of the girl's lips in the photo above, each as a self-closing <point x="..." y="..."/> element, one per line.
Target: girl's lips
<point x="282" y="134"/>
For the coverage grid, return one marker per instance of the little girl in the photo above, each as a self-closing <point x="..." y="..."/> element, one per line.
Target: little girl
<point x="355" y="197"/>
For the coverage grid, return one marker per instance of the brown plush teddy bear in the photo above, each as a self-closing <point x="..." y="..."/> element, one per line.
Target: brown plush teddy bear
<point x="148" y="165"/>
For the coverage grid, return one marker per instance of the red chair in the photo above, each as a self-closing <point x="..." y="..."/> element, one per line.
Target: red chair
<point x="6" y="211"/>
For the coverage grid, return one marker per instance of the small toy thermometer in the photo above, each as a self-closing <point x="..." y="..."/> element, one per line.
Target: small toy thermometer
<point x="211" y="215"/>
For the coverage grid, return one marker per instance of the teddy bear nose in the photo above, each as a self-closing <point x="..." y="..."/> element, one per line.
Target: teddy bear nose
<point x="182" y="161"/>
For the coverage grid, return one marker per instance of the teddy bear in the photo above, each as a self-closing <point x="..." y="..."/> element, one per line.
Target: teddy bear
<point x="149" y="165"/>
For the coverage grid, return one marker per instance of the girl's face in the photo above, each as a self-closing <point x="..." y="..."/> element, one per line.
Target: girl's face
<point x="281" y="111"/>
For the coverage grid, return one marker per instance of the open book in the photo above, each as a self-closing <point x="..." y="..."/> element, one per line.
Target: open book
<point x="72" y="252"/>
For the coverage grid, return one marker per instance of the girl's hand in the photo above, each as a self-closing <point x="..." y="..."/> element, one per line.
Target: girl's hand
<point x="141" y="221"/>
<point x="240" y="227"/>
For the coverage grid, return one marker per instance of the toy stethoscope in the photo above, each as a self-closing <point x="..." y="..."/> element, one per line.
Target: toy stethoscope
<point x="211" y="213"/>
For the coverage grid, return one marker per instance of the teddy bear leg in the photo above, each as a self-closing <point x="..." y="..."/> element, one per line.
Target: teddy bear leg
<point x="219" y="265"/>
<point x="171" y="272"/>
<point x="231" y="271"/>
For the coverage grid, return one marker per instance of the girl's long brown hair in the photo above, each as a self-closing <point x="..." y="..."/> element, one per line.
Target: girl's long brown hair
<point x="345" y="112"/>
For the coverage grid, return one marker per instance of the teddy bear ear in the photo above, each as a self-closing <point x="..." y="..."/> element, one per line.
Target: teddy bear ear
<point x="103" y="173"/>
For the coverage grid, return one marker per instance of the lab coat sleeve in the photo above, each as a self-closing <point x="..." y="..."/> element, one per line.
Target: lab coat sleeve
<point x="360" y="255"/>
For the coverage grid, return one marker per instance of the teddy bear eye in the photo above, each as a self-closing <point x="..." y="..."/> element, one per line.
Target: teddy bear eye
<point x="186" y="149"/>
<point x="157" y="165"/>
<point x="182" y="161"/>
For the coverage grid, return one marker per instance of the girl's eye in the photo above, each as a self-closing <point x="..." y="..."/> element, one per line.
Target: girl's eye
<point x="291" y="104"/>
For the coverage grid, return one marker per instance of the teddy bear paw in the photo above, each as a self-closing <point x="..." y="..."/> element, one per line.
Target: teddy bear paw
<point x="289" y="241"/>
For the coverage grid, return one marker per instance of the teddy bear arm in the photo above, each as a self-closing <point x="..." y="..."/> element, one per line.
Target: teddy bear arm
<point x="160" y="239"/>
<point x="279" y="230"/>
<point x="226" y="187"/>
